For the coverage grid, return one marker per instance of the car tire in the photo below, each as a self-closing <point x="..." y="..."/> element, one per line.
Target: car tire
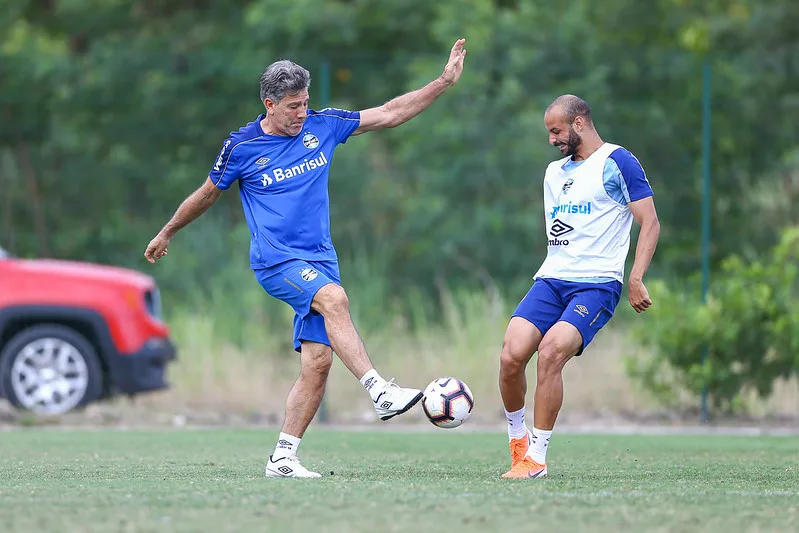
<point x="50" y="369"/>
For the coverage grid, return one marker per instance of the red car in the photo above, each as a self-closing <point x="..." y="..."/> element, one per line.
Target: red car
<point x="72" y="333"/>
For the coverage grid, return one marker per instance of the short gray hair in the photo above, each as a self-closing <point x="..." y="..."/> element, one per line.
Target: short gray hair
<point x="282" y="78"/>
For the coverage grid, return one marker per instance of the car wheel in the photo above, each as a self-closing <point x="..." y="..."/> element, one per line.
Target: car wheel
<point x="50" y="369"/>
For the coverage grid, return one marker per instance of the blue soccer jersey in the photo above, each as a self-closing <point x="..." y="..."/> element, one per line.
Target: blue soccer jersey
<point x="283" y="183"/>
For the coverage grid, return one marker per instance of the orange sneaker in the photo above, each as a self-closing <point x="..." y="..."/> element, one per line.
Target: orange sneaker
<point x="519" y="447"/>
<point x="527" y="468"/>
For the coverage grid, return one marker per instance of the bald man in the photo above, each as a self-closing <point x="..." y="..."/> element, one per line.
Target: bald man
<point x="591" y="197"/>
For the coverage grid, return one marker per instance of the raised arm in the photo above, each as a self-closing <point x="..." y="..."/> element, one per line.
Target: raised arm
<point x="403" y="108"/>
<point x="192" y="207"/>
<point x="644" y="212"/>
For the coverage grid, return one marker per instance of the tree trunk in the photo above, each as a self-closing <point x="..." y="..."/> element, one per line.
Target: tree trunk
<point x="23" y="155"/>
<point x="8" y="235"/>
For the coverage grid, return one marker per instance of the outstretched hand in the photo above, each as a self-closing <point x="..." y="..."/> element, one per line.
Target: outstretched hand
<point x="157" y="248"/>
<point x="452" y="72"/>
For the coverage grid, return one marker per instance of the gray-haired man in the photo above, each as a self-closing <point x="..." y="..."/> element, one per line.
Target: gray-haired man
<point x="281" y="162"/>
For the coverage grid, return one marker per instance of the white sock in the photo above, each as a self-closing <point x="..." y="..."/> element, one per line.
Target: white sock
<point x="286" y="445"/>
<point x="538" y="448"/>
<point x="373" y="383"/>
<point x="516" y="426"/>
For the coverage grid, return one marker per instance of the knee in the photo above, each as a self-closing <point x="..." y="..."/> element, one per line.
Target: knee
<point x="552" y="356"/>
<point x="331" y="300"/>
<point x="318" y="362"/>
<point x="514" y="356"/>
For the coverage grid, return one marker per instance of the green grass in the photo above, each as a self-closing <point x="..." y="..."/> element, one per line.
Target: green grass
<point x="212" y="480"/>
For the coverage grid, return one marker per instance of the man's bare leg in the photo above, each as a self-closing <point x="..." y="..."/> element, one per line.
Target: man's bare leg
<point x="389" y="399"/>
<point x="520" y="343"/>
<point x="302" y="404"/>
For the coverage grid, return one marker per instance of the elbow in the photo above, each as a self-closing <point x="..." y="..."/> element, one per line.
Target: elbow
<point x="654" y="228"/>
<point x="394" y="121"/>
<point x="391" y="118"/>
<point x="209" y="192"/>
<point x="650" y="226"/>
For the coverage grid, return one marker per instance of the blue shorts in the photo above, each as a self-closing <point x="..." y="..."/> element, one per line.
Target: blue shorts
<point x="296" y="282"/>
<point x="587" y="306"/>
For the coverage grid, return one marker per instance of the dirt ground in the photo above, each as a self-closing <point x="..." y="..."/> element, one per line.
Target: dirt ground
<point x="158" y="412"/>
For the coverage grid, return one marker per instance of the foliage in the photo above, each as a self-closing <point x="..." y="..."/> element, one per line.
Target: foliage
<point x="114" y="111"/>
<point x="748" y="330"/>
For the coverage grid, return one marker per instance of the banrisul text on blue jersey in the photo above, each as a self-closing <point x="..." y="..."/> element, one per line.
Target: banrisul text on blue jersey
<point x="280" y="174"/>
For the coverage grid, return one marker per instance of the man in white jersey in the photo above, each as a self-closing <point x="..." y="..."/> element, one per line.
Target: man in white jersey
<point x="280" y="162"/>
<point x="591" y="198"/>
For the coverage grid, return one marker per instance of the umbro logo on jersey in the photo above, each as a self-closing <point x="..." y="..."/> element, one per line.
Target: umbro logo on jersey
<point x="559" y="228"/>
<point x="567" y="185"/>
<point x="310" y="140"/>
<point x="261" y="163"/>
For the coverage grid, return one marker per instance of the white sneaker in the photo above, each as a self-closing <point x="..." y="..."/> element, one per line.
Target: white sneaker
<point x="394" y="400"/>
<point x="288" y="467"/>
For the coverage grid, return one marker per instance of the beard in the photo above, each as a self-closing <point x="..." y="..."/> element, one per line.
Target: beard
<point x="572" y="144"/>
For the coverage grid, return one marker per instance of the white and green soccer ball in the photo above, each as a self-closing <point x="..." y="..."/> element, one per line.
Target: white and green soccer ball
<point x="447" y="402"/>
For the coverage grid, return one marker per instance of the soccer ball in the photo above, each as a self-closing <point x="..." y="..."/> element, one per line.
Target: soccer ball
<point x="447" y="402"/>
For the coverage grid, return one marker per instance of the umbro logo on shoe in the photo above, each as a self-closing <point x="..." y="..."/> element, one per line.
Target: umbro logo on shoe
<point x="283" y="469"/>
<point x="290" y="467"/>
<point x="394" y="400"/>
<point x="386" y="404"/>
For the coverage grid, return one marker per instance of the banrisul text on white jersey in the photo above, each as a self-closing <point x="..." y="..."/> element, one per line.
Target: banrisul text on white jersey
<point x="581" y="209"/>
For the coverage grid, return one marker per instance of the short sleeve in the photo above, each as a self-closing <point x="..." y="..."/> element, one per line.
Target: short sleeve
<point x="341" y="121"/>
<point x="224" y="172"/>
<point x="633" y="181"/>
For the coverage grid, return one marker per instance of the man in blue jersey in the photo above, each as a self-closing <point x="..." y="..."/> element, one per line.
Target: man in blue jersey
<point x="591" y="198"/>
<point x="281" y="162"/>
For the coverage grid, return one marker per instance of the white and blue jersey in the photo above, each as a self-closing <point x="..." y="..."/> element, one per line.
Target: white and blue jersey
<point x="588" y="219"/>
<point x="588" y="223"/>
<point x="283" y="183"/>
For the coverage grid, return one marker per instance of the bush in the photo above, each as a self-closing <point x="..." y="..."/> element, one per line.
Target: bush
<point x="748" y="329"/>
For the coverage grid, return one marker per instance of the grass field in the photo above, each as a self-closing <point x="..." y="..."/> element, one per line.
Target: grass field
<point x="383" y="481"/>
